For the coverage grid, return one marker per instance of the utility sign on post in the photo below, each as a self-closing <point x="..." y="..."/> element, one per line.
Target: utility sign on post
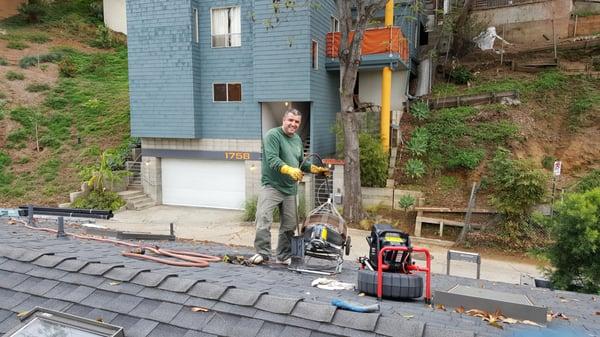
<point x="557" y="165"/>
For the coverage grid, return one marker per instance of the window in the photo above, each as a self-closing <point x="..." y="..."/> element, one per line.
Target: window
<point x="335" y="24"/>
<point x="314" y="52"/>
<point x="227" y="92"/>
<point x="196" y="26"/>
<point x="226" y="27"/>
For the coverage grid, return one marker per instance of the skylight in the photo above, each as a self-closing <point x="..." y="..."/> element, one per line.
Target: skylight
<point x="42" y="322"/>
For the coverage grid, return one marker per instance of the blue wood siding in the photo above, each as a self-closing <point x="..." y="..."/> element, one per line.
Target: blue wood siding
<point x="281" y="60"/>
<point x="172" y="76"/>
<point x="226" y="120"/>
<point x="324" y="85"/>
<point x="160" y="68"/>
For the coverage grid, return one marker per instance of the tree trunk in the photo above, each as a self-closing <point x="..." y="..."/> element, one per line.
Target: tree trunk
<point x="349" y="56"/>
<point x="352" y="190"/>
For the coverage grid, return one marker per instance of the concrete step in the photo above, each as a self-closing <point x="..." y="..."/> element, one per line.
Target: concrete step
<point x="143" y="204"/>
<point x="130" y="193"/>
<point x="138" y="198"/>
<point x="135" y="187"/>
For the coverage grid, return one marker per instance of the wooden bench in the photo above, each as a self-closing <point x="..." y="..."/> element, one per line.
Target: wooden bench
<point x="442" y="222"/>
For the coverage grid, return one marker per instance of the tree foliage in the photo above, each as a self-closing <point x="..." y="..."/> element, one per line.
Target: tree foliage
<point x="373" y="161"/>
<point x="517" y="185"/>
<point x="575" y="229"/>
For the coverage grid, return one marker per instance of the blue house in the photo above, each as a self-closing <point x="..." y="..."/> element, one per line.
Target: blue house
<point x="208" y="79"/>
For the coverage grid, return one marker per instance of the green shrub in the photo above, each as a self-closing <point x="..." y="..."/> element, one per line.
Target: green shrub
<point x="49" y="169"/>
<point x="448" y="183"/>
<point x="104" y="38"/>
<point x="373" y="161"/>
<point x="417" y="145"/>
<point x="494" y="132"/>
<point x="3" y="61"/>
<point x="588" y="182"/>
<point x="460" y="75"/>
<point x="517" y="185"/>
<point x="414" y="168"/>
<point x="28" y="61"/>
<point x="549" y="80"/>
<point x="14" y="44"/>
<point x="37" y="87"/>
<point x="548" y="162"/>
<point x="5" y="160"/>
<point x="105" y="200"/>
<point x="406" y="201"/>
<point x="18" y="136"/>
<point x="33" y="10"/>
<point x="6" y="179"/>
<point x="466" y="158"/>
<point x="56" y="102"/>
<point x="596" y="63"/>
<point x="575" y="229"/>
<point x="580" y="105"/>
<point x="67" y="67"/>
<point x="14" y="76"/>
<point x="37" y="38"/>
<point x="25" y="116"/>
<point x="250" y="209"/>
<point x="419" y="110"/>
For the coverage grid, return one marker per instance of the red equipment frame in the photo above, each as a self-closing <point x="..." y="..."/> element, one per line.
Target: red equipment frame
<point x="427" y="269"/>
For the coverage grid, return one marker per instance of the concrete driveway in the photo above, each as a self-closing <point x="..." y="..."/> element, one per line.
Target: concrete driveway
<point x="226" y="226"/>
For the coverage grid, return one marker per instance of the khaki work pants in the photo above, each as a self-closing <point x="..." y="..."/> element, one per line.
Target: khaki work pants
<point x="268" y="199"/>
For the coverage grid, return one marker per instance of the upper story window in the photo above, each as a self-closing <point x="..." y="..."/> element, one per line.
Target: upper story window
<point x="196" y="25"/>
<point x="227" y="92"/>
<point x="226" y="27"/>
<point x="335" y="24"/>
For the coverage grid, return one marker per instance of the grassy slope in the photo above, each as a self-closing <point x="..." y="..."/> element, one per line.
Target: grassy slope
<point x="77" y="118"/>
<point x="557" y="112"/>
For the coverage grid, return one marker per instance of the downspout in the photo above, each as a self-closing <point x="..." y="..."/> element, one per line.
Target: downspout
<point x="386" y="87"/>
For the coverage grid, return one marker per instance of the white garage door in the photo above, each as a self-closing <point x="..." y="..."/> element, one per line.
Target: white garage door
<point x="203" y="183"/>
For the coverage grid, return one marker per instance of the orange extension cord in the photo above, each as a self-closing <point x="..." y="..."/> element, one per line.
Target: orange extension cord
<point x="190" y="259"/>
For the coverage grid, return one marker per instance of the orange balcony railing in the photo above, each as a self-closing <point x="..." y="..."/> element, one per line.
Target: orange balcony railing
<point x="376" y="41"/>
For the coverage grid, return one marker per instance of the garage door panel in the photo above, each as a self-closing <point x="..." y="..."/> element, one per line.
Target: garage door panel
<point x="203" y="183"/>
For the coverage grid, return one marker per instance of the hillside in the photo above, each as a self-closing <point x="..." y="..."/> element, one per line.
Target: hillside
<point x="556" y="118"/>
<point x="63" y="100"/>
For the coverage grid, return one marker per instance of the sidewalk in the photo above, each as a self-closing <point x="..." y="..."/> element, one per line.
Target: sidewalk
<point x="226" y="227"/>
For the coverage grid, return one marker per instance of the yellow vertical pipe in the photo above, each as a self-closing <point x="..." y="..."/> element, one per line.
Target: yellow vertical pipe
<point x="389" y="13"/>
<point x="386" y="87"/>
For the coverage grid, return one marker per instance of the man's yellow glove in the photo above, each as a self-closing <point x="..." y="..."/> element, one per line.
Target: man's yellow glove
<point x="314" y="169"/>
<point x="293" y="172"/>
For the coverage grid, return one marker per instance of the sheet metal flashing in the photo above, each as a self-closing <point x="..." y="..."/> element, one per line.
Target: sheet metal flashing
<point x="510" y="305"/>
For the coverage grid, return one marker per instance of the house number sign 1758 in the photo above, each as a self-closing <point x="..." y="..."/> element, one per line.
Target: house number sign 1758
<point x="233" y="155"/>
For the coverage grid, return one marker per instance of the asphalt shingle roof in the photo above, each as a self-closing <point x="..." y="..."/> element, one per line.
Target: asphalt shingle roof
<point x="150" y="299"/>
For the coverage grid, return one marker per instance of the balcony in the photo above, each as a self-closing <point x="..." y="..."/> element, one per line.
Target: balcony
<point x="381" y="47"/>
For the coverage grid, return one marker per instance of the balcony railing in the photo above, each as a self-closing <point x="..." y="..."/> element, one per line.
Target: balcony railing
<point x="389" y="40"/>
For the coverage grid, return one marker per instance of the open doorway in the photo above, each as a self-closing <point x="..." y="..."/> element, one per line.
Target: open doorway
<point x="272" y="115"/>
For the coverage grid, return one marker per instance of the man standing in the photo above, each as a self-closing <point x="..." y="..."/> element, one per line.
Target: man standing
<point x="281" y="170"/>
